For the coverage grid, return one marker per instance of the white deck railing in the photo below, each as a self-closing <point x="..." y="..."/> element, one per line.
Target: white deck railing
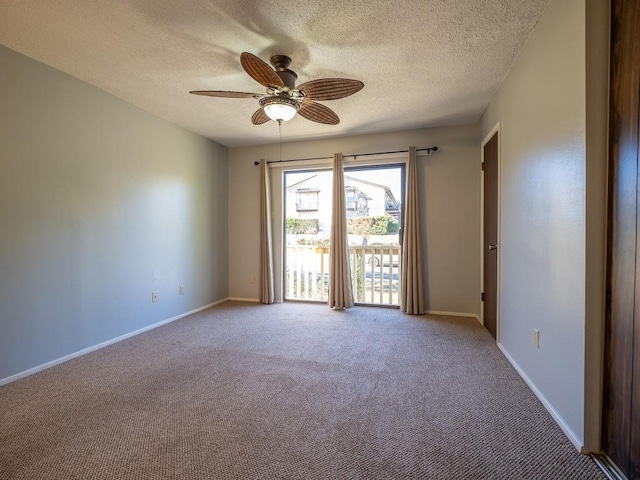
<point x="375" y="273"/>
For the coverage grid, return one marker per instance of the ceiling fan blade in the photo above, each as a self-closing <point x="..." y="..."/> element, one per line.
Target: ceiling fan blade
<point x="219" y="93"/>
<point x="318" y="113"/>
<point x="330" y="88"/>
<point x="260" y="71"/>
<point x="259" y="117"/>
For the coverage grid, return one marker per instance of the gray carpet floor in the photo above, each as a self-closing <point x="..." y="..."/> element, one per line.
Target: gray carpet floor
<point x="289" y="391"/>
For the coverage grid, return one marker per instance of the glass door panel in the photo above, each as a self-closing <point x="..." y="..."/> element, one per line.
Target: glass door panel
<point x="307" y="228"/>
<point x="373" y="198"/>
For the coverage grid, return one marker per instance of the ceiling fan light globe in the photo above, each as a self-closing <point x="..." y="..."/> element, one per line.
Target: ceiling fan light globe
<point x="280" y="112"/>
<point x="280" y="109"/>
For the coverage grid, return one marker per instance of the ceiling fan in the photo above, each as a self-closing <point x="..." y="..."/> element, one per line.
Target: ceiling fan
<point x="283" y="99"/>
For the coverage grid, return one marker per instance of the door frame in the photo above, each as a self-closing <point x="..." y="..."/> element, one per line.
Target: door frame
<point x="489" y="136"/>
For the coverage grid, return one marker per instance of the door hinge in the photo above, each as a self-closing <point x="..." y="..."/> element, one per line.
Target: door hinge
<point x="482" y="296"/>
<point x="482" y="166"/>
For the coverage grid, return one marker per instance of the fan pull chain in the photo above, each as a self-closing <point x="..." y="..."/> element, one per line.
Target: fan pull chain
<point x="280" y="132"/>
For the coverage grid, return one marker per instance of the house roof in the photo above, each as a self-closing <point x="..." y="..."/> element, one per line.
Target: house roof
<point x="423" y="62"/>
<point x="373" y="184"/>
<point x="366" y="182"/>
<point x="305" y="180"/>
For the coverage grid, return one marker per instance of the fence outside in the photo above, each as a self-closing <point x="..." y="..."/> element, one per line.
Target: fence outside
<point x="375" y="273"/>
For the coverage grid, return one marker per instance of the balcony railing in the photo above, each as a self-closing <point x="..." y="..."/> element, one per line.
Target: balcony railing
<point x="375" y="273"/>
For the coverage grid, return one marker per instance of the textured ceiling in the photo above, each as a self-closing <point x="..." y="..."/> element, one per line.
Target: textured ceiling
<point x="423" y="62"/>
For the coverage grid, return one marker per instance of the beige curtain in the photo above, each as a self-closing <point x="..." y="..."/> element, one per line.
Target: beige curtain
<point x="266" y="249"/>
<point x="340" y="292"/>
<point x="411" y="284"/>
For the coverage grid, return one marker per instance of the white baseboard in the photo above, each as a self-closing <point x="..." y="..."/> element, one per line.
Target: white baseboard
<point x="240" y="299"/>
<point x="93" y="348"/>
<point x="573" y="438"/>
<point x="453" y="314"/>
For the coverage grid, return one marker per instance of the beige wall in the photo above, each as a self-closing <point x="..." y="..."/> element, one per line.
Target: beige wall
<point x="450" y="196"/>
<point x="101" y="203"/>
<point x="542" y="110"/>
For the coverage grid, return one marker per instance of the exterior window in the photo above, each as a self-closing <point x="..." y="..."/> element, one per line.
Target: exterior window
<point x="351" y="198"/>
<point x="307" y="200"/>
<point x="391" y="204"/>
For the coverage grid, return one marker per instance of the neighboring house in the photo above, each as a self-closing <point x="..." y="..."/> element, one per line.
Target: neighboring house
<point x="382" y="199"/>
<point x="311" y="198"/>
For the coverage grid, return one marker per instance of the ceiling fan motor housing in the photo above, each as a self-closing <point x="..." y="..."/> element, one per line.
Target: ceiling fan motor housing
<point x="281" y="64"/>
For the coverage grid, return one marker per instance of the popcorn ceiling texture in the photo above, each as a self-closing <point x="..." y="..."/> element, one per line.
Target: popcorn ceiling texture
<point x="423" y="62"/>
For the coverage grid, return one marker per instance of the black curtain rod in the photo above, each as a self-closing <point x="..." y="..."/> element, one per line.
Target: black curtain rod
<point x="354" y="155"/>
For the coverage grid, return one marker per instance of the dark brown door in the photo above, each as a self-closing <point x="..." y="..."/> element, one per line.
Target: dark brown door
<point x="490" y="240"/>
<point x="621" y="400"/>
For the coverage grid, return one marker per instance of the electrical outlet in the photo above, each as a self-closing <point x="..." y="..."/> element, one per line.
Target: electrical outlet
<point x="252" y="278"/>
<point x="154" y="297"/>
<point x="536" y="338"/>
<point x="181" y="289"/>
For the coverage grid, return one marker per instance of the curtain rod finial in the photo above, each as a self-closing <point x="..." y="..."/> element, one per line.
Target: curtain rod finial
<point x="430" y="150"/>
<point x="256" y="163"/>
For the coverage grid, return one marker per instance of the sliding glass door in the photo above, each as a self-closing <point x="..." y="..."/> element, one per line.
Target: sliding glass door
<point x="373" y="199"/>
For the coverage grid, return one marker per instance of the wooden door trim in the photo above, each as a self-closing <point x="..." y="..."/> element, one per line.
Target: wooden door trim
<point x="621" y="380"/>
<point x="489" y="136"/>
